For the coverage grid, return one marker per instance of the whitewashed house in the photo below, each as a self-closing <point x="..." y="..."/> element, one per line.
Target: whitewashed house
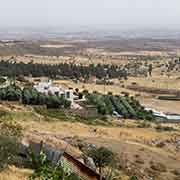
<point x="48" y="88"/>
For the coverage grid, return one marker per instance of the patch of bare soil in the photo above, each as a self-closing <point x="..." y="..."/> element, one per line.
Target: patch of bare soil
<point x="161" y="105"/>
<point x="13" y="106"/>
<point x="14" y="173"/>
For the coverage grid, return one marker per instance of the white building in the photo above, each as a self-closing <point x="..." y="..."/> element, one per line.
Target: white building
<point x="47" y="88"/>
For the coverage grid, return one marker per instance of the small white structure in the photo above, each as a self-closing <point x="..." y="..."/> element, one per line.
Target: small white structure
<point x="43" y="87"/>
<point x="68" y="94"/>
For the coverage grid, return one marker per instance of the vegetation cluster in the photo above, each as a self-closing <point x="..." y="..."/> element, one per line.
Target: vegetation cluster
<point x="12" y="69"/>
<point x="126" y="106"/>
<point x="30" y="96"/>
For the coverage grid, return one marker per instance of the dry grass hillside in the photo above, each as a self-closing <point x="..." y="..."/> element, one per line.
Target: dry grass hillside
<point x="137" y="144"/>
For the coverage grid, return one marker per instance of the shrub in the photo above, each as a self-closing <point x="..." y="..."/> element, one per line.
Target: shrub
<point x="133" y="178"/>
<point x="13" y="93"/>
<point x="10" y="93"/>
<point x="144" y="125"/>
<point x="67" y="103"/>
<point x="158" y="167"/>
<point x="164" y="128"/>
<point x="85" y="92"/>
<point x="55" y="102"/>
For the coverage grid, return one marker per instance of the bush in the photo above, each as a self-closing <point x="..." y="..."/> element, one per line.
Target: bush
<point x="55" y="102"/>
<point x="67" y="103"/>
<point x="10" y="93"/>
<point x="144" y="125"/>
<point x="158" y="167"/>
<point x="133" y="178"/>
<point x="164" y="128"/>
<point x="13" y="93"/>
<point x="85" y="92"/>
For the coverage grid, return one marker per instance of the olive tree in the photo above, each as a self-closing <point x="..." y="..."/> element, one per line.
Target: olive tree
<point x="102" y="157"/>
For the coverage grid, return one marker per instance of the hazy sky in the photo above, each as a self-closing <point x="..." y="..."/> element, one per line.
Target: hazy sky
<point x="129" y="13"/>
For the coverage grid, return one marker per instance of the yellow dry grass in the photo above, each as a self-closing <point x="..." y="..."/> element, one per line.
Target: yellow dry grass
<point x="115" y="89"/>
<point x="124" y="137"/>
<point x="116" y="138"/>
<point x="157" y="81"/>
<point x="65" y="129"/>
<point x="14" y="173"/>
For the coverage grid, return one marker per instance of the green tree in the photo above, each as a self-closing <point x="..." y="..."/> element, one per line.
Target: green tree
<point x="26" y="96"/>
<point x="53" y="102"/>
<point x="32" y="96"/>
<point x="150" y="68"/>
<point x="102" y="157"/>
<point x="3" y="94"/>
<point x="13" y="93"/>
<point x="41" y="99"/>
